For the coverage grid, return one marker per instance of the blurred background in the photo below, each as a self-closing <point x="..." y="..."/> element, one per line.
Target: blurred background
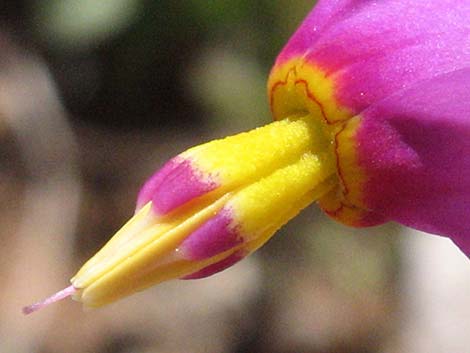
<point x="94" y="97"/>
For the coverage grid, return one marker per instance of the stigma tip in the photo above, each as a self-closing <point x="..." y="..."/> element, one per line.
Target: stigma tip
<point x="64" y="293"/>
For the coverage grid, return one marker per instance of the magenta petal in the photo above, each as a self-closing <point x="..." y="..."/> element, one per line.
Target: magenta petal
<point x="172" y="186"/>
<point x="375" y="48"/>
<point x="217" y="267"/>
<point x="463" y="242"/>
<point x="155" y="181"/>
<point x="212" y="238"/>
<point x="415" y="150"/>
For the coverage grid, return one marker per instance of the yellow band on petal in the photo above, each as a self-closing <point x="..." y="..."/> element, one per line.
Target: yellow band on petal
<point x="298" y="87"/>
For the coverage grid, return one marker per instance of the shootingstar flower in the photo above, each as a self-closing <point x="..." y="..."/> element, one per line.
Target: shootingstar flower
<point x="372" y="107"/>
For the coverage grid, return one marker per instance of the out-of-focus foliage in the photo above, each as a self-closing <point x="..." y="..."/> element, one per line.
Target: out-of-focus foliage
<point x="122" y="58"/>
<point x="78" y="24"/>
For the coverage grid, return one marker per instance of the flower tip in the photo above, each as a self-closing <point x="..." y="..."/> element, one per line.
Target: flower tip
<point x="62" y="294"/>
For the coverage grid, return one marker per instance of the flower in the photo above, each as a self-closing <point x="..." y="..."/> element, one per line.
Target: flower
<point x="372" y="107"/>
<point x="392" y="79"/>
